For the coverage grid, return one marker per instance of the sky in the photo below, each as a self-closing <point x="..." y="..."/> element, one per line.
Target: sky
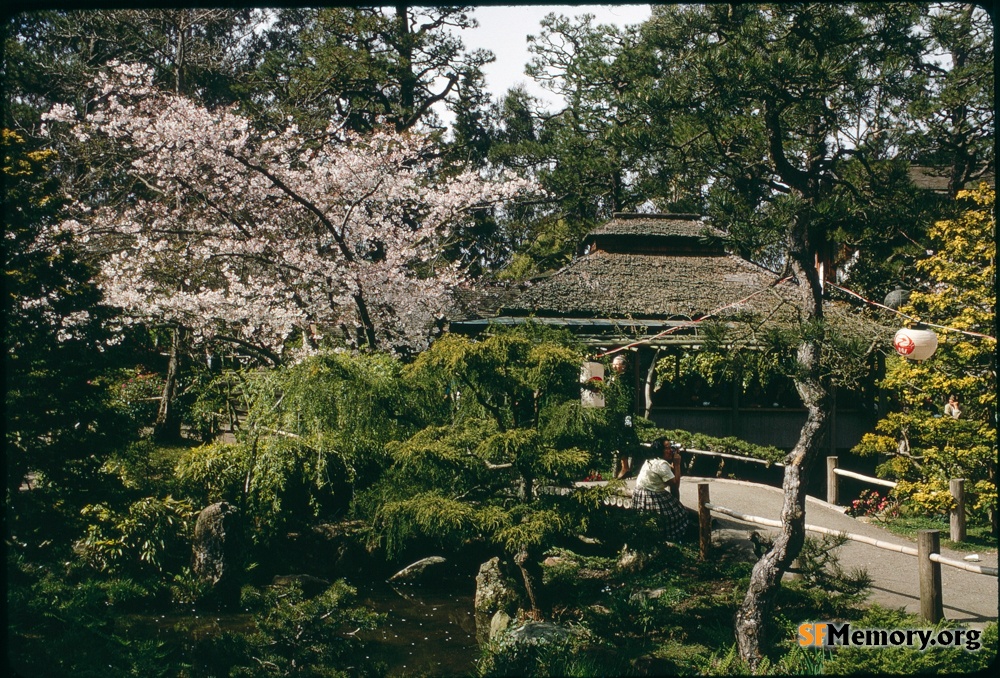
<point x="504" y="30"/>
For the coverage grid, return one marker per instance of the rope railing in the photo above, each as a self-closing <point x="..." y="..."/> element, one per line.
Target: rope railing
<point x="867" y="479"/>
<point x="726" y="455"/>
<point x="968" y="567"/>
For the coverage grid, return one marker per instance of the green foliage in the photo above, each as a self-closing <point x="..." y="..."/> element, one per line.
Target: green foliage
<point x="370" y="65"/>
<point x="58" y="625"/>
<point x="151" y="533"/>
<point x="829" y="588"/>
<point x="278" y="482"/>
<point x="924" y="449"/>
<point x="432" y="516"/>
<point x="313" y="431"/>
<point x="59" y="423"/>
<point x="576" y="656"/>
<point x="343" y="404"/>
<point x="135" y="394"/>
<point x="214" y="472"/>
<point x="298" y="636"/>
<point x="210" y="402"/>
<point x="512" y="403"/>
<point x="945" y="661"/>
<point x="797" y="661"/>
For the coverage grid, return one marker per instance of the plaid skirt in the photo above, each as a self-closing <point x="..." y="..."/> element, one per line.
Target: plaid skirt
<point x="673" y="516"/>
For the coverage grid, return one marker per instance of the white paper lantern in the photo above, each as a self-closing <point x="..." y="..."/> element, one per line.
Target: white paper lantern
<point x="591" y="374"/>
<point x="915" y="344"/>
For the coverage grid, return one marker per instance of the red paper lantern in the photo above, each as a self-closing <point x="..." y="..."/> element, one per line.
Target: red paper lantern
<point x="591" y="374"/>
<point x="915" y="344"/>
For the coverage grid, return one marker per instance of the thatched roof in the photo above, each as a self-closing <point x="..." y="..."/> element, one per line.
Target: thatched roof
<point x="936" y="179"/>
<point x="652" y="266"/>
<point x="617" y="285"/>
<point x="655" y="226"/>
<point x="646" y="273"/>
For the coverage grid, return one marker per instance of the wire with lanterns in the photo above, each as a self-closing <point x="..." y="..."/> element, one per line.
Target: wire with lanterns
<point x="913" y="343"/>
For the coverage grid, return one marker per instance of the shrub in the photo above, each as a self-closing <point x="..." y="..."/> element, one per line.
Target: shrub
<point x="871" y="504"/>
<point x="143" y="539"/>
<point x="304" y="636"/>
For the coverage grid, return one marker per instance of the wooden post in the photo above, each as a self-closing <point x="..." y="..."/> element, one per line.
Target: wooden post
<point x="957" y="532"/>
<point x="704" y="522"/>
<point x="831" y="480"/>
<point x="931" y="606"/>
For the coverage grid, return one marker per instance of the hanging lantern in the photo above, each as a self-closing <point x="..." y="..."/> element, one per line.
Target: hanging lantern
<point x="592" y="374"/>
<point x="915" y="344"/>
<point x="896" y="298"/>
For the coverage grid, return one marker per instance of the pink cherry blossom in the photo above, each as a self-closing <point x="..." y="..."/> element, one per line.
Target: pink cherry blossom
<point x="259" y="234"/>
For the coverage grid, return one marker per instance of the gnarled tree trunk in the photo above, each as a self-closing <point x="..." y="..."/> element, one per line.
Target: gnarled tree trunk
<point x="766" y="576"/>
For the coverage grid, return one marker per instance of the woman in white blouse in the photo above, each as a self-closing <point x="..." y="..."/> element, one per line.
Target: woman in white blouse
<point x="657" y="488"/>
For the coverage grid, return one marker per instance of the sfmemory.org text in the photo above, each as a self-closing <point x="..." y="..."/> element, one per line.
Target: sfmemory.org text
<point x="827" y="634"/>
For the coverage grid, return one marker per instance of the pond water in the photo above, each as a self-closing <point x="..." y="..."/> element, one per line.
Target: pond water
<point x="429" y="630"/>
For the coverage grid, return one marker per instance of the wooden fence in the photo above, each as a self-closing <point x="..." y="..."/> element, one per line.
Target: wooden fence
<point x="957" y="530"/>
<point x="928" y="551"/>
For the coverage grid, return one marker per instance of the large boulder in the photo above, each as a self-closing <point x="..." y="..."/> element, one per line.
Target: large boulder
<point x="216" y="548"/>
<point x="496" y="592"/>
<point x="521" y="650"/>
<point x="541" y="633"/>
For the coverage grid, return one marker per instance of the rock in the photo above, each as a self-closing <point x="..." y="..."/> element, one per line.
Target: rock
<point x="496" y="591"/>
<point x="499" y="624"/>
<point x="417" y="570"/>
<point x="310" y="585"/>
<point x="216" y="548"/>
<point x="632" y="561"/>
<point x="517" y="651"/>
<point x="540" y="633"/>
<point x="648" y="594"/>
<point x="332" y="531"/>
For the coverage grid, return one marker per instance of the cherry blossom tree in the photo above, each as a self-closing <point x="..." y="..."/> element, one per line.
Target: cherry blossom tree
<point x="265" y="237"/>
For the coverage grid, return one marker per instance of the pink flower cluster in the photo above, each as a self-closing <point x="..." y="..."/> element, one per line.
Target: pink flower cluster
<point x="871" y="503"/>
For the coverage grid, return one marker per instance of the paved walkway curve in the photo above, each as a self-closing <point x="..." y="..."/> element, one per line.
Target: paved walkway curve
<point x="968" y="597"/>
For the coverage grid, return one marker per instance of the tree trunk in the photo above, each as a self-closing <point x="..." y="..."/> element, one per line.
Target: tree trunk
<point x="766" y="576"/>
<point x="366" y="321"/>
<point x="405" y="75"/>
<point x="168" y="421"/>
<point x="526" y="489"/>
<point x="527" y="561"/>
